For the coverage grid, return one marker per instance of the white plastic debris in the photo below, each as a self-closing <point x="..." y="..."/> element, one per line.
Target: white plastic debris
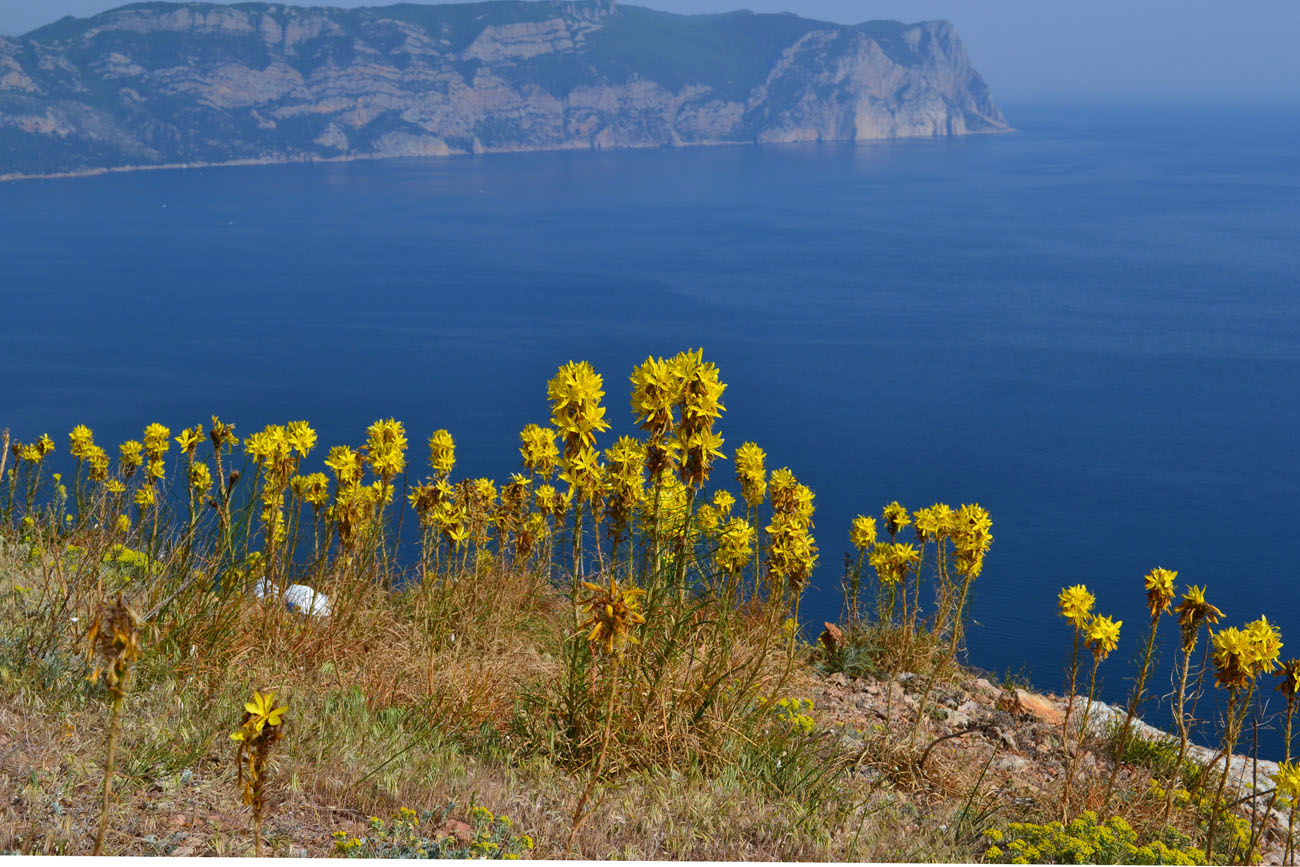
<point x="298" y="598"/>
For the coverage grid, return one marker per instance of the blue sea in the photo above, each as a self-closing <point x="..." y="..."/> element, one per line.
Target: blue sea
<point x="1090" y="326"/>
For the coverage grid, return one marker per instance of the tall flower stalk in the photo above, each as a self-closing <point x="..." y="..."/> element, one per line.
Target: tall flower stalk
<point x="1193" y="613"/>
<point x="114" y="641"/>
<point x="1075" y="605"/>
<point x="1101" y="636"/>
<point x="1160" y="595"/>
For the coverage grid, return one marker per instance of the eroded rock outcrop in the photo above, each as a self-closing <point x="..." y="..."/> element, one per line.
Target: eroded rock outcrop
<point x="159" y="83"/>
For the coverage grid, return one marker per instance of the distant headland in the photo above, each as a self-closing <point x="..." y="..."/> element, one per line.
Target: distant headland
<point x="158" y="84"/>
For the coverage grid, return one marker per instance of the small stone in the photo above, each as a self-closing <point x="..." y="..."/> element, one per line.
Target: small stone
<point x="838" y="678"/>
<point x="1020" y="701"/>
<point x="832" y="637"/>
<point x="461" y="831"/>
<point x="956" y="718"/>
<point x="1011" y="764"/>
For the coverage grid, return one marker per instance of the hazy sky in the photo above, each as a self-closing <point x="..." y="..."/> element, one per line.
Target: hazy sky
<point x="1025" y="48"/>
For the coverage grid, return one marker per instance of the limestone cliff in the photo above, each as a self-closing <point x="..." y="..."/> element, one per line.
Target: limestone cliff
<point x="165" y="83"/>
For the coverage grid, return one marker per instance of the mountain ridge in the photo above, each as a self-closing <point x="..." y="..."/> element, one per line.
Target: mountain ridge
<point x="158" y="83"/>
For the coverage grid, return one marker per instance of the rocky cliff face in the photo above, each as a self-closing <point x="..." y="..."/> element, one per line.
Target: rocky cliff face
<point x="162" y="83"/>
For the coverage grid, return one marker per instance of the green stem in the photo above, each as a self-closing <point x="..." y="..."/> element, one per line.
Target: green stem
<point x="1134" y="700"/>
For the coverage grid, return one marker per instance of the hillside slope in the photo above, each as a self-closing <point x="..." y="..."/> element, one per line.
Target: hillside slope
<point x="165" y="83"/>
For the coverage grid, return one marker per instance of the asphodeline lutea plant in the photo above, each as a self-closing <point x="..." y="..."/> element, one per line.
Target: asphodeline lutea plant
<point x="575" y="393"/>
<point x="114" y="647"/>
<point x="260" y="729"/>
<point x="862" y="535"/>
<point x="751" y="475"/>
<point x="613" y="615"/>
<point x="1159" y="583"/>
<point x="1101" y="637"/>
<point x="1240" y="657"/>
<point x="1075" y="605"/>
<point x="970" y="530"/>
<point x="1289" y="685"/>
<point x="1287" y="787"/>
<point x="1193" y="612"/>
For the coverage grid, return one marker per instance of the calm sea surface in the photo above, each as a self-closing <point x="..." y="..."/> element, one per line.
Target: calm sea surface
<point x="1091" y="327"/>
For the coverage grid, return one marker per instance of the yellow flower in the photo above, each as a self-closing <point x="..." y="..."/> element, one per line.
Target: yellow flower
<point x="792" y="551"/>
<point x="933" y="523"/>
<point x="313" y="488"/>
<point x="1265" y="646"/>
<point x="98" y="463"/>
<point x="260" y="712"/>
<point x="863" y="533"/>
<point x="698" y="444"/>
<point x="735" y="546"/>
<point x="348" y="465"/>
<point x="130" y="456"/>
<point x="442" y="452"/>
<point x="751" y="473"/>
<point x="386" y="448"/>
<point x="1290" y="679"/>
<point x="971" y="534"/>
<point x="1231" y="649"/>
<point x="1075" y="604"/>
<point x="612" y="613"/>
<point x="144" y="498"/>
<point x="896" y="518"/>
<point x="190" y="438"/>
<point x="200" y="477"/>
<point x="892" y="560"/>
<point x="538" y="450"/>
<point x="123" y="524"/>
<point x="301" y="437"/>
<point x="1192" y="612"/>
<point x="157" y="440"/>
<point x="1160" y="590"/>
<point x="81" y="441"/>
<point x="1288" y="779"/>
<point x="574" y="393"/>
<point x="1103" y="635"/>
<point x="222" y="434"/>
<point x="656" y="390"/>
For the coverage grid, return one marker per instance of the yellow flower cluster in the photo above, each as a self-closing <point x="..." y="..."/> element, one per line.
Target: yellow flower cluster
<point x="792" y="551"/>
<point x="1160" y="590"/>
<point x="863" y="533"/>
<point x="892" y="560"/>
<point x="1075" y="604"/>
<point x="625" y="482"/>
<point x="896" y="519"/>
<point x="1102" y="636"/>
<point x="1192" y="612"/>
<point x="971" y="535"/>
<point x="1240" y="655"/>
<point x="538" y="450"/>
<point x="574" y="394"/>
<point x="735" y="546"/>
<point x="386" y="448"/>
<point x="934" y="523"/>
<point x="612" y="613"/>
<point x="751" y="474"/>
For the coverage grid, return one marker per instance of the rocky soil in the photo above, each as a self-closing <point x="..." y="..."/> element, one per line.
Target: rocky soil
<point x="1016" y="732"/>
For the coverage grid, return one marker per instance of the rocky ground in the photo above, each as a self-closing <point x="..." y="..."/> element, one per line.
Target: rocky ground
<point x="1017" y="733"/>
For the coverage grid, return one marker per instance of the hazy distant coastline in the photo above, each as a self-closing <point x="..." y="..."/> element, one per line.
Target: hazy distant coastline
<point x="168" y="85"/>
